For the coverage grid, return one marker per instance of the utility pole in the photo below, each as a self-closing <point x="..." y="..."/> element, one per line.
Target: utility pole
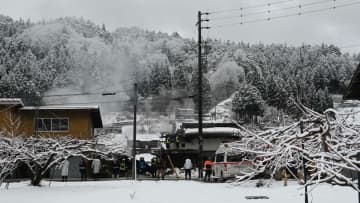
<point x="303" y="162"/>
<point x="200" y="91"/>
<point x="134" y="133"/>
<point x="358" y="174"/>
<point x="302" y="130"/>
<point x="37" y="113"/>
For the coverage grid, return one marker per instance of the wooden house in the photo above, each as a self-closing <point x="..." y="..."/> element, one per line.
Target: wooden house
<point x="75" y="121"/>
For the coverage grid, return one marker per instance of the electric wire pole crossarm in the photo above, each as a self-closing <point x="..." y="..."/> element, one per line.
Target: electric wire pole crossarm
<point x="200" y="20"/>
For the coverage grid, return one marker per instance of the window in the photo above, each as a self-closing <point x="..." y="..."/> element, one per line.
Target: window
<point x="219" y="157"/>
<point x="59" y="124"/>
<point x="52" y="124"/>
<point x="235" y="158"/>
<point x="43" y="124"/>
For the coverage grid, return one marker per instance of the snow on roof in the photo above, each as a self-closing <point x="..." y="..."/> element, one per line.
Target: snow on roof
<point x="146" y="137"/>
<point x="225" y="130"/>
<point x="60" y="107"/>
<point x="11" y="101"/>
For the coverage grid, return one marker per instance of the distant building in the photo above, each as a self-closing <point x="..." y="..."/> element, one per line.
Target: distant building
<point x="185" y="142"/>
<point x="75" y="121"/>
<point x="184" y="114"/>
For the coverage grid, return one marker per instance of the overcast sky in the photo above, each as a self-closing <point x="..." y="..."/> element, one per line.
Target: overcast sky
<point x="340" y="26"/>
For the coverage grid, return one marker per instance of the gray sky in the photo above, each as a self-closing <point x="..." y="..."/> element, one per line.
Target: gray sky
<point x="339" y="26"/>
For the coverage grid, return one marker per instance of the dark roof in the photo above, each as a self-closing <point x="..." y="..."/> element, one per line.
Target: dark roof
<point x="353" y="90"/>
<point x="94" y="111"/>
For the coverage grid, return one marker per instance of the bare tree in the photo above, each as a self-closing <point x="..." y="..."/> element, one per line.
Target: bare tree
<point x="12" y="123"/>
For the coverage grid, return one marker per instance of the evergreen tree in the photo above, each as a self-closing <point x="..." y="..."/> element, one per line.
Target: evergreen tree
<point x="247" y="102"/>
<point x="255" y="79"/>
<point x="159" y="78"/>
<point x="180" y="79"/>
<point x="276" y="92"/>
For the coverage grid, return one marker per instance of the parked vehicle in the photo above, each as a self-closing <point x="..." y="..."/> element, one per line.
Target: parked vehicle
<point x="229" y="164"/>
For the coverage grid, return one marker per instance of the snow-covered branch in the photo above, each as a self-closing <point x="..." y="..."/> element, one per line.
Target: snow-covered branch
<point x="327" y="145"/>
<point x="41" y="153"/>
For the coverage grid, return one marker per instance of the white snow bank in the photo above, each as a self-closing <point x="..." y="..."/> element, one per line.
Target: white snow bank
<point x="169" y="191"/>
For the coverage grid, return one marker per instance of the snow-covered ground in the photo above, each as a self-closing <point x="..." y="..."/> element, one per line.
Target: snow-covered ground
<point x="169" y="191"/>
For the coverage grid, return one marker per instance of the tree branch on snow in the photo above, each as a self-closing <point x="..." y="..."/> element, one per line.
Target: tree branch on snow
<point x="330" y="146"/>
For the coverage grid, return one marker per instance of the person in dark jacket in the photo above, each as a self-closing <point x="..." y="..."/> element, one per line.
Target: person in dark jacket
<point x="154" y="167"/>
<point x="82" y="168"/>
<point x="116" y="168"/>
<point x="142" y="166"/>
<point x="160" y="171"/>
<point x="129" y="167"/>
<point x="208" y="169"/>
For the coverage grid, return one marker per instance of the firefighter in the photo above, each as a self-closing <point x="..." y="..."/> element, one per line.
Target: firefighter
<point x="167" y="142"/>
<point x="177" y="141"/>
<point x="123" y="167"/>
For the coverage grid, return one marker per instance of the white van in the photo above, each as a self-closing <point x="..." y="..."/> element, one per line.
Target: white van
<point x="229" y="164"/>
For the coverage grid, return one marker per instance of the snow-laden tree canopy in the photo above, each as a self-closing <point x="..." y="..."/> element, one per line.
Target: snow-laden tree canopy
<point x="324" y="143"/>
<point x="40" y="154"/>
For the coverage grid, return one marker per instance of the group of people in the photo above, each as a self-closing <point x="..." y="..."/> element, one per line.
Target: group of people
<point x="95" y="166"/>
<point x="208" y="167"/>
<point x="123" y="167"/>
<point x="156" y="169"/>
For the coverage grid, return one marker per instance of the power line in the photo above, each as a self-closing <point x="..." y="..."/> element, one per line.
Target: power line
<point x="123" y="101"/>
<point x="84" y="93"/>
<point x="94" y="102"/>
<point x="268" y="11"/>
<point x="251" y="7"/>
<point x="287" y="15"/>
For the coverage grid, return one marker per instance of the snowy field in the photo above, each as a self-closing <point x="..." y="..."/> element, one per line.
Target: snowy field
<point x="169" y="191"/>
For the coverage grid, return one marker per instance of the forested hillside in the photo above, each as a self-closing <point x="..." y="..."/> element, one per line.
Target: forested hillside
<point x="71" y="55"/>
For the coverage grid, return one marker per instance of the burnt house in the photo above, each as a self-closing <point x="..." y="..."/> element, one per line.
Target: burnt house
<point x="185" y="142"/>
